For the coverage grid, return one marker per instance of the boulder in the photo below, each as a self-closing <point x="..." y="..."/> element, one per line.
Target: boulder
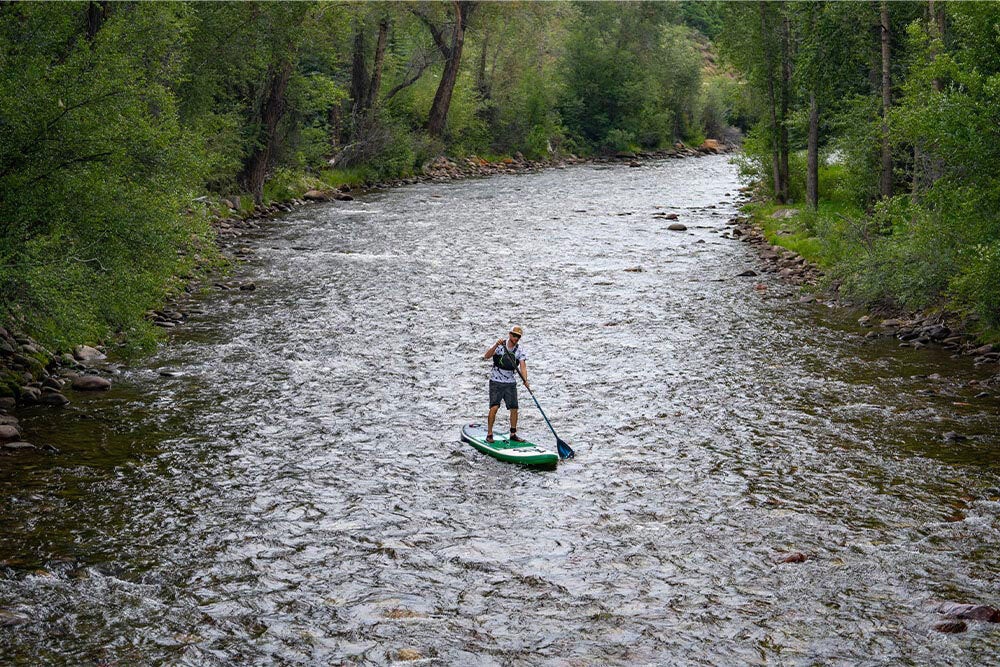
<point x="7" y="403"/>
<point x="9" y="432"/>
<point x="669" y="216"/>
<point x="30" y="395"/>
<point x="316" y="195"/>
<point x="710" y="146"/>
<point x="784" y="213"/>
<point x="87" y="353"/>
<point x="91" y="383"/>
<point x="677" y="227"/>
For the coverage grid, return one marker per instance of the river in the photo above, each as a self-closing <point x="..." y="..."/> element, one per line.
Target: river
<point x="283" y="483"/>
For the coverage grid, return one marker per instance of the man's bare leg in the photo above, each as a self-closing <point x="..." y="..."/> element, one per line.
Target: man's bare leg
<point x="490" y="419"/>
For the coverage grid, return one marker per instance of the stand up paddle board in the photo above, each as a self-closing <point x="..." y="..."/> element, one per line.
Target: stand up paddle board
<point x="503" y="449"/>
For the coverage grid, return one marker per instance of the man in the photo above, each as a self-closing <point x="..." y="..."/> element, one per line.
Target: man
<point x="507" y="357"/>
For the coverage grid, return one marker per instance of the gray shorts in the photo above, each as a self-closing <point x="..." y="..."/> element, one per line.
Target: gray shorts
<point x="503" y="390"/>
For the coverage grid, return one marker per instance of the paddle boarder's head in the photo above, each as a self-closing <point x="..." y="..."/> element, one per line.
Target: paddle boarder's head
<point x="515" y="334"/>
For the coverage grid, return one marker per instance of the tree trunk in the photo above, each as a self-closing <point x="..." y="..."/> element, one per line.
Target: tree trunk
<point x="376" y="79"/>
<point x="786" y="79"/>
<point x="812" y="161"/>
<point x="482" y="83"/>
<point x="359" y="73"/>
<point x="271" y="112"/>
<point x="453" y="59"/>
<point x="885" y="180"/>
<point x="97" y="14"/>
<point x="771" y="104"/>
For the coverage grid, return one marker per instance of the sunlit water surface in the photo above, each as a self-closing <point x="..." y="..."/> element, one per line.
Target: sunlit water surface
<point x="293" y="490"/>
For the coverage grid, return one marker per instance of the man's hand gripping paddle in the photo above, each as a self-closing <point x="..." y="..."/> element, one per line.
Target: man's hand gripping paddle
<point x="565" y="451"/>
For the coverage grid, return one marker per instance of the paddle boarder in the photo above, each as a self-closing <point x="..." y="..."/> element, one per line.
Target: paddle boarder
<point x="508" y="356"/>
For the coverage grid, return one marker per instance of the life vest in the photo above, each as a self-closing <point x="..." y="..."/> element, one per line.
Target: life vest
<point x="507" y="360"/>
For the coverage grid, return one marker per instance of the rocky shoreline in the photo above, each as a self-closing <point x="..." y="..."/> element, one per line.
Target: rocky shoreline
<point x="31" y="375"/>
<point x="920" y="330"/>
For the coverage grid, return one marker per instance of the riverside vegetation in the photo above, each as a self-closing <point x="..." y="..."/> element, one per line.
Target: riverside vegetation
<point x="874" y="148"/>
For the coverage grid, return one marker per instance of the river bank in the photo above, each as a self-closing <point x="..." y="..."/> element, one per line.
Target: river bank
<point x="937" y="328"/>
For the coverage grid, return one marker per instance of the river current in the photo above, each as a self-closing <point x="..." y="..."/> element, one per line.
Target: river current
<point x="283" y="482"/>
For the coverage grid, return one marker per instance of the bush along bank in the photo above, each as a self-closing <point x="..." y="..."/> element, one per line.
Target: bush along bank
<point x="787" y="249"/>
<point x="33" y="375"/>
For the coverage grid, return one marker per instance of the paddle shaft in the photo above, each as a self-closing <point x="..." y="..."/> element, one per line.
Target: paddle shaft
<point x="537" y="404"/>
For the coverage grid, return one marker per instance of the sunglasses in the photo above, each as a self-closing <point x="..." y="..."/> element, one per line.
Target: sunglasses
<point x="514" y="335"/>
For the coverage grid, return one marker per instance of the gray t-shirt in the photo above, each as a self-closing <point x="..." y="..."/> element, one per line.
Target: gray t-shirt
<point x="499" y="374"/>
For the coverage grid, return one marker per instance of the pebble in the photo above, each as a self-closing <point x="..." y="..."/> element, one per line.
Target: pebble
<point x="749" y="273"/>
<point x="634" y="269"/>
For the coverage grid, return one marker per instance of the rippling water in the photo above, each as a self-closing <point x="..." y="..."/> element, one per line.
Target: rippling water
<point x="284" y="483"/>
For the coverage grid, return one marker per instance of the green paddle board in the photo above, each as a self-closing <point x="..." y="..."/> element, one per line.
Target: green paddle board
<point x="503" y="449"/>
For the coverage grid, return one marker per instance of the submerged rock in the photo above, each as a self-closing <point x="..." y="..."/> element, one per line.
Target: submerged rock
<point x="951" y="627"/>
<point x="793" y="557"/>
<point x="19" y="446"/>
<point x="9" y="618"/>
<point x="972" y="612"/>
<point x="53" y="398"/>
<point x="677" y="227"/>
<point x="409" y="654"/>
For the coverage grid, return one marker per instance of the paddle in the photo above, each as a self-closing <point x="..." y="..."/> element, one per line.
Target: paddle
<point x="565" y="451"/>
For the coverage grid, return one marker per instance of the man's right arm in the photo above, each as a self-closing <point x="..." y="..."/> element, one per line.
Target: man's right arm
<point x="493" y="350"/>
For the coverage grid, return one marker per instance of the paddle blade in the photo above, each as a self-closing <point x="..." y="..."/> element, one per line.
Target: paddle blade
<point x="565" y="451"/>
